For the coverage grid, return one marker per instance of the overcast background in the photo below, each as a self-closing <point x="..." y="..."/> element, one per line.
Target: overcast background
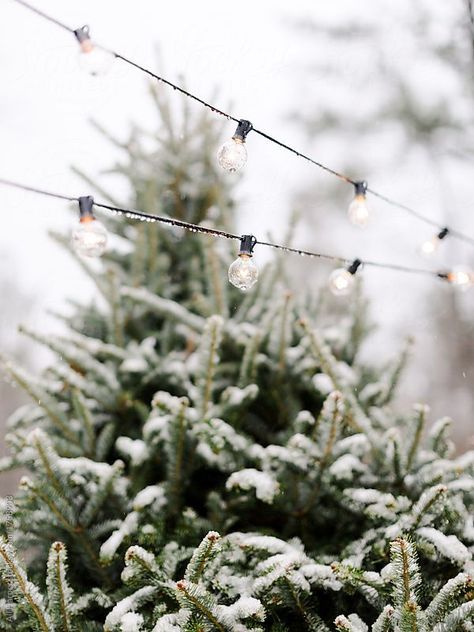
<point x="266" y="61"/>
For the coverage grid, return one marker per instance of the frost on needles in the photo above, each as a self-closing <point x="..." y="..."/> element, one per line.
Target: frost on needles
<point x="201" y="461"/>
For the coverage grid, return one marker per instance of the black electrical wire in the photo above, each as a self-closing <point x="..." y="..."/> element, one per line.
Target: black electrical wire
<point x="45" y="16"/>
<point x="455" y="233"/>
<point x="25" y="187"/>
<point x="197" y="228"/>
<point x="141" y="215"/>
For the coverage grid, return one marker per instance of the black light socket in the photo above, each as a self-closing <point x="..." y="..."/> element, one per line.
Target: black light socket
<point x="247" y="244"/>
<point x="354" y="266"/>
<point x="243" y="128"/>
<point x="361" y="187"/>
<point x="86" y="204"/>
<point x="82" y="34"/>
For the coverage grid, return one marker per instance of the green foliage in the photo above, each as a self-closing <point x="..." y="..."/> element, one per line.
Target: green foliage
<point x="181" y="410"/>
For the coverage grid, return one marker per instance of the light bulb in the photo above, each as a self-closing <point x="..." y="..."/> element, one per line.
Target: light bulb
<point x="96" y="62"/>
<point x="92" y="58"/>
<point x="341" y="282"/>
<point x="232" y="155"/>
<point x="358" y="211"/>
<point x="430" y="246"/>
<point x="461" y="277"/>
<point x="89" y="238"/>
<point x="243" y="273"/>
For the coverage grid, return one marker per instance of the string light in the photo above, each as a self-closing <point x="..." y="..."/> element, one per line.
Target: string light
<point x="232" y="155"/>
<point x="462" y="277"/>
<point x="358" y="211"/>
<point x="341" y="280"/>
<point x="454" y="233"/>
<point x="92" y="58"/>
<point x="243" y="273"/>
<point x="458" y="276"/>
<point x="89" y="238"/>
<point x="430" y="246"/>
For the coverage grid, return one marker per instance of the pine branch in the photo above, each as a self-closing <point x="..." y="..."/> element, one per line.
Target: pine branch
<point x="328" y="364"/>
<point x="43" y="399"/>
<point x="77" y="359"/>
<point x="406" y="582"/>
<point x="59" y="592"/>
<point x="439" y="437"/>
<point x="209" y="357"/>
<point x="68" y="524"/>
<point x="199" y="602"/>
<point x="205" y="552"/>
<point x="384" y="622"/>
<point x="164" y="307"/>
<point x="429" y="499"/>
<point x="102" y="492"/>
<point x="451" y="623"/>
<point x="331" y="416"/>
<point x="114" y="297"/>
<point x="14" y="576"/>
<point x="420" y="421"/>
<point x="454" y="591"/>
<point x="176" y="447"/>
<point x="83" y="413"/>
<point x="214" y="268"/>
<point x="393" y="379"/>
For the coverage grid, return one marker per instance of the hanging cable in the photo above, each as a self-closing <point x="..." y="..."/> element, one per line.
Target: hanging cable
<point x="414" y="213"/>
<point x="90" y="240"/>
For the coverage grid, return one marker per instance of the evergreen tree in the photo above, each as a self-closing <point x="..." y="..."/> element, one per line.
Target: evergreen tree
<point x="201" y="460"/>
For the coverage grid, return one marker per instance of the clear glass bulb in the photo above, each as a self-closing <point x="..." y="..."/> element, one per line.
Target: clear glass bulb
<point x="341" y="282"/>
<point x="243" y="273"/>
<point x="430" y="246"/>
<point x="89" y="238"/>
<point x="232" y="156"/>
<point x="462" y="277"/>
<point x="358" y="212"/>
<point x="96" y="61"/>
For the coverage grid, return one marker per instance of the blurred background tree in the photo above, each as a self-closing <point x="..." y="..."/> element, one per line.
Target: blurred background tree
<point x="413" y="71"/>
<point x="15" y="305"/>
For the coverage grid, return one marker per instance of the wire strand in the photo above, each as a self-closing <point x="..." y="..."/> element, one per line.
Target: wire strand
<point x="45" y="16"/>
<point x="416" y="214"/>
<point x="211" y="107"/>
<point x="197" y="228"/>
<point x="141" y="215"/>
<point x="25" y="187"/>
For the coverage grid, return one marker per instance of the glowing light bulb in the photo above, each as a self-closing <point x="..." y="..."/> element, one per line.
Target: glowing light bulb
<point x="243" y="273"/>
<point x="89" y="238"/>
<point x="92" y="58"/>
<point x="232" y="155"/>
<point x="358" y="211"/>
<point x="430" y="246"/>
<point x="461" y="277"/>
<point x="341" y="280"/>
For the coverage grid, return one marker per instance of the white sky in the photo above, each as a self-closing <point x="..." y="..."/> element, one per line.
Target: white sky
<point x="247" y="53"/>
<point x="47" y="101"/>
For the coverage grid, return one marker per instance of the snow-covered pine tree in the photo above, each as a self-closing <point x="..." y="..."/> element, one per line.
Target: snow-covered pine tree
<point x="202" y="461"/>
